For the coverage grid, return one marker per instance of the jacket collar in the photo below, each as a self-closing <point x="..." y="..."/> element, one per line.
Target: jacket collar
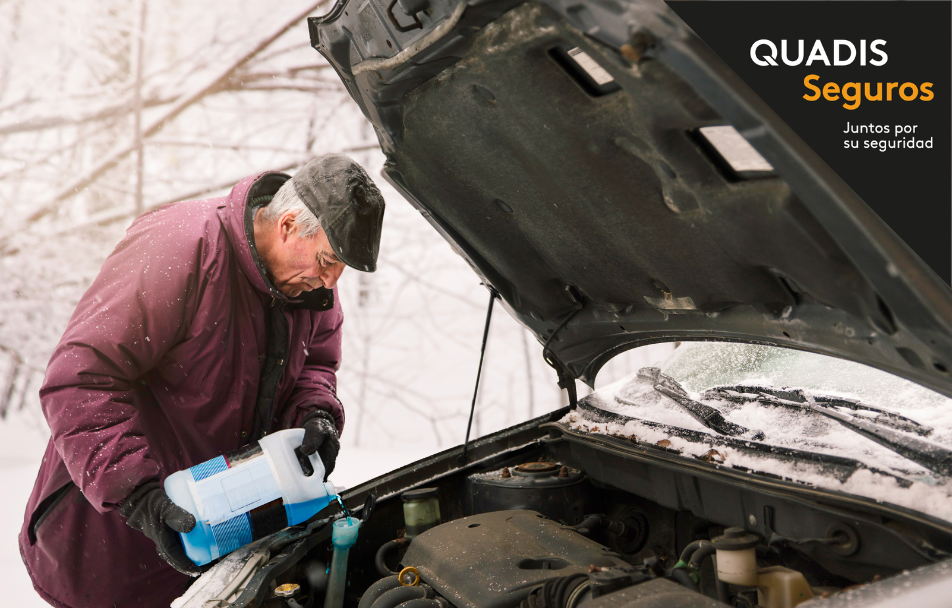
<point x="237" y="216"/>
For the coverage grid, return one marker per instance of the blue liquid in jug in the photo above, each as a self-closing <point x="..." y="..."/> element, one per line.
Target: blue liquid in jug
<point x="300" y="512"/>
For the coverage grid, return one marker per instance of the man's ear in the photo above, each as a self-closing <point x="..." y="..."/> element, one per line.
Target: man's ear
<point x="287" y="224"/>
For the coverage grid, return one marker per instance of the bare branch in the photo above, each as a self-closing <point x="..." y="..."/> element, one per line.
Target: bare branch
<point x="107" y="112"/>
<point x="112" y="159"/>
<point x="48" y="156"/>
<point x="290" y="71"/>
<point x="17" y="103"/>
<point x="292" y="87"/>
<point x="13" y="354"/>
<point x="283" y="51"/>
<point x="219" y="145"/>
<point x="109" y="217"/>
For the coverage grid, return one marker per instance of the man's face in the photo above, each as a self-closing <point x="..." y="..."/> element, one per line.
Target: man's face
<point x="296" y="265"/>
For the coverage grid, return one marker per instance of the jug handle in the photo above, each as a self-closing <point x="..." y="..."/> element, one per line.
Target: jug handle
<point x="304" y="461"/>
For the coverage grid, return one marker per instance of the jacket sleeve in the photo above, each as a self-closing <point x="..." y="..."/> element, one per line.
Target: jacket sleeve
<point x="316" y="387"/>
<point x="137" y="308"/>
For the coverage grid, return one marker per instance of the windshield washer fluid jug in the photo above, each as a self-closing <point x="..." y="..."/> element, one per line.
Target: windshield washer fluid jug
<point x="246" y="495"/>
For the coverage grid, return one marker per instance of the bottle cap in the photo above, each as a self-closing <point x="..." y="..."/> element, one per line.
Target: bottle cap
<point x="287" y="590"/>
<point x="419" y="493"/>
<point x="736" y="539"/>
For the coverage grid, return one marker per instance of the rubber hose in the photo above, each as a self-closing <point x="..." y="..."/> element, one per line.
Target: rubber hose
<point x="689" y="550"/>
<point x="564" y="589"/>
<point x="421" y="602"/>
<point x="377" y="589"/>
<point x="705" y="549"/>
<point x="380" y="558"/>
<point x="395" y="597"/>
<point x="684" y="578"/>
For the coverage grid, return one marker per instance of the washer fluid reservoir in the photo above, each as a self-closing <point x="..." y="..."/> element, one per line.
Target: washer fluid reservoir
<point x="246" y="495"/>
<point x="777" y="586"/>
<point x="421" y="510"/>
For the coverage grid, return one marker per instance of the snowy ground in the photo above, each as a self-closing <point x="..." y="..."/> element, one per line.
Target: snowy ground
<point x="22" y="443"/>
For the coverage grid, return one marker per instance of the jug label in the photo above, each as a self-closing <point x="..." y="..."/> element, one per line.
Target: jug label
<point x="231" y="492"/>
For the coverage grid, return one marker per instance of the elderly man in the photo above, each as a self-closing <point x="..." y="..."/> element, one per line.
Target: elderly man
<point x="212" y="324"/>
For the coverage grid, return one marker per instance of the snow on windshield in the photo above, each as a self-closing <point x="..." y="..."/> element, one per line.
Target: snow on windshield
<point x="702" y="365"/>
<point x="699" y="366"/>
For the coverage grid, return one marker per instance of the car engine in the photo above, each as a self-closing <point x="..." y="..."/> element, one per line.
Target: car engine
<point x="530" y="542"/>
<point x="521" y="558"/>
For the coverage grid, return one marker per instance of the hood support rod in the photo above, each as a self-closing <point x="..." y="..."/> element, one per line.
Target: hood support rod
<point x="482" y="353"/>
<point x="566" y="380"/>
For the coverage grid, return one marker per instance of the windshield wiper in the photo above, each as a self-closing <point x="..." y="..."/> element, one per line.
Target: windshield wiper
<point x="872" y="413"/>
<point x="930" y="455"/>
<point x="705" y="414"/>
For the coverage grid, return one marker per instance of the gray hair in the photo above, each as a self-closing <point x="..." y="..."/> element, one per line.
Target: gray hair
<point x="286" y="199"/>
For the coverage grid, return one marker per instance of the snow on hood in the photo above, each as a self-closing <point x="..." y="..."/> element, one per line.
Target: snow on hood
<point x="213" y="583"/>
<point x="635" y="397"/>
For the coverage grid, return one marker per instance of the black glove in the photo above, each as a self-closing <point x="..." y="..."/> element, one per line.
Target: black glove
<point x="150" y="511"/>
<point x="320" y="435"/>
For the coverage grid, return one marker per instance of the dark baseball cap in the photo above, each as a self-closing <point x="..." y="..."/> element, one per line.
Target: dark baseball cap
<point x="348" y="205"/>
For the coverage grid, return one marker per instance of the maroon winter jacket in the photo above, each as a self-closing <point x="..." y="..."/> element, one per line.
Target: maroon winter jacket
<point x="165" y="364"/>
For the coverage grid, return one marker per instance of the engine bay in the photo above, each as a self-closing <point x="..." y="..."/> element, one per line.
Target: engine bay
<point x="520" y="558"/>
<point x="534" y="540"/>
<point x="542" y="516"/>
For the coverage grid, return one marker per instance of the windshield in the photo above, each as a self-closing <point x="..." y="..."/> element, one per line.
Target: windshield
<point x="702" y="365"/>
<point x="843" y="387"/>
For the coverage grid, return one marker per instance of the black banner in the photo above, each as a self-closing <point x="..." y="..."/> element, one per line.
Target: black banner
<point x="869" y="92"/>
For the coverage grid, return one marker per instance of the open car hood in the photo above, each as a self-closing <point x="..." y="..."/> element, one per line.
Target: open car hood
<point x="557" y="146"/>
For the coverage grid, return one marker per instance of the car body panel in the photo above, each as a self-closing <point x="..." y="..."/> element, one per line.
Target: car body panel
<point x="608" y="206"/>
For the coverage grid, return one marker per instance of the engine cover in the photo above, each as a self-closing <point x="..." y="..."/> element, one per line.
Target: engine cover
<point x="493" y="560"/>
<point x="659" y="593"/>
